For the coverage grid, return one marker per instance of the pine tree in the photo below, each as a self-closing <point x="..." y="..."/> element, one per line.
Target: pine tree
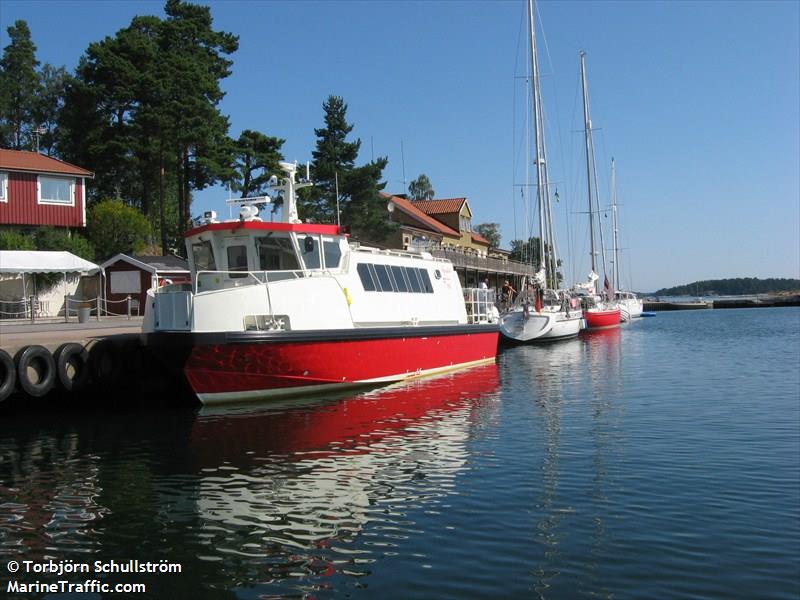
<point x="19" y="88"/>
<point x="256" y="159"/>
<point x="334" y="158"/>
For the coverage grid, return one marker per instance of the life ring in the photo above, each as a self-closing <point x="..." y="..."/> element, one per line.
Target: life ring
<point x="8" y="375"/>
<point x="36" y="370"/>
<point x="72" y="366"/>
<point x="105" y="363"/>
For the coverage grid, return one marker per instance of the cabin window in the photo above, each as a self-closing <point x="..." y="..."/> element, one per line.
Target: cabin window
<point x="237" y="260"/>
<point x="56" y="190"/>
<point x="426" y="281"/>
<point x="3" y="187"/>
<point x="203" y="257"/>
<point x="414" y="280"/>
<point x="331" y="252"/>
<point x="399" y="280"/>
<point x="276" y="254"/>
<point x="309" y="247"/>
<point x="384" y="278"/>
<point x="367" y="281"/>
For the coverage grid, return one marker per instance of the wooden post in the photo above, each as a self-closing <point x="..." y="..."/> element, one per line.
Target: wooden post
<point x="66" y="308"/>
<point x="128" y="298"/>
<point x="33" y="311"/>
<point x="98" y="307"/>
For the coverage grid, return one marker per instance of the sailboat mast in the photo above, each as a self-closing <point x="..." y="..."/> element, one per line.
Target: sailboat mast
<point x="587" y="134"/>
<point x="617" y="282"/>
<point x="541" y="178"/>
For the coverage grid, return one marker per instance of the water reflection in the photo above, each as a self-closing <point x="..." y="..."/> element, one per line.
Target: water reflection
<point x="263" y="495"/>
<point x="576" y="388"/>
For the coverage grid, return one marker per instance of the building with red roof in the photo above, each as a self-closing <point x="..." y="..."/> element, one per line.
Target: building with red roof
<point x="38" y="190"/>
<point x="445" y="223"/>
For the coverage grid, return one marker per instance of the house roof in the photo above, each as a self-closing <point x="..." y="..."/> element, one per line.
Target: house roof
<point x="439" y="207"/>
<point x="20" y="160"/>
<point x="152" y="264"/>
<point x="477" y="237"/>
<point x="411" y="210"/>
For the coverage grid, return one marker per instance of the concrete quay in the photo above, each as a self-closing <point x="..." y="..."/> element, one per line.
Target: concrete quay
<point x="51" y="334"/>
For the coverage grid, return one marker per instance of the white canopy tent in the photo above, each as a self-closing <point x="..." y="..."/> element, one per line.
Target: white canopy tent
<point x="29" y="261"/>
<point x="22" y="262"/>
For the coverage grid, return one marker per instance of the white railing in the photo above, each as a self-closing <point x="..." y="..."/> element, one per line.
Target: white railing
<point x="480" y="305"/>
<point x="33" y="309"/>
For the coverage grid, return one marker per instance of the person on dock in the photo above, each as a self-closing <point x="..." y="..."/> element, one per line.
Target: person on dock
<point x="507" y="294"/>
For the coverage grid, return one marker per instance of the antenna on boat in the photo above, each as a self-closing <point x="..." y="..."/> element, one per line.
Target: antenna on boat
<point x="287" y="189"/>
<point x="336" y="178"/>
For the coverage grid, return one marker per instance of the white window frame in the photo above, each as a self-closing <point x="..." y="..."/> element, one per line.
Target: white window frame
<point x="39" y="199"/>
<point x="3" y="186"/>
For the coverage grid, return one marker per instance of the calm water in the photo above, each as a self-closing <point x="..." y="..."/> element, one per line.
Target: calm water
<point x="658" y="461"/>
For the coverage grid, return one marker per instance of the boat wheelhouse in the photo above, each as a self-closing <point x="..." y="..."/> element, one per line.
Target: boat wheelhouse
<point x="282" y="308"/>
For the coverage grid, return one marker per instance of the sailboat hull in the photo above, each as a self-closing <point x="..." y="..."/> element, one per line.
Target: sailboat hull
<point x="519" y="326"/>
<point x="602" y="318"/>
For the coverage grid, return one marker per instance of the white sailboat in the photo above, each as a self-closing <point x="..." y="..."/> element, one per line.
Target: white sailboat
<point x="541" y="312"/>
<point x="630" y="305"/>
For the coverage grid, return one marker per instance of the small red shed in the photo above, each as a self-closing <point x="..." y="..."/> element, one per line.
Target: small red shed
<point x="134" y="275"/>
<point x="40" y="190"/>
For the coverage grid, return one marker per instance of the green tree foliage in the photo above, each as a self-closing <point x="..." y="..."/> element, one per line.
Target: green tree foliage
<point x="361" y="205"/>
<point x="115" y="227"/>
<point x="334" y="157"/>
<point x="421" y="188"/>
<point x="733" y="287"/>
<point x="143" y="113"/>
<point x="491" y="231"/>
<point x="53" y="82"/>
<point x="11" y="239"/>
<point x="364" y="210"/>
<point x="19" y="88"/>
<point x="256" y="158"/>
<point x="50" y="238"/>
<point x="529" y="251"/>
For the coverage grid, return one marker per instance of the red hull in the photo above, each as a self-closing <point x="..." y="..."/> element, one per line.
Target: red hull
<point x="352" y="423"/>
<point x="280" y="367"/>
<point x="601" y="319"/>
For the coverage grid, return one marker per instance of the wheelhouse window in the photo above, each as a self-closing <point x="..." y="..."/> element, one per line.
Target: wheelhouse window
<point x="309" y="248"/>
<point x="3" y="187"/>
<point x="237" y="260"/>
<point x="56" y="190"/>
<point x="203" y="257"/>
<point x="276" y="253"/>
<point x="331" y="252"/>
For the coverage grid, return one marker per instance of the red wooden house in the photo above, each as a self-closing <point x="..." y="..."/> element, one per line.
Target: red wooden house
<point x="38" y="190"/>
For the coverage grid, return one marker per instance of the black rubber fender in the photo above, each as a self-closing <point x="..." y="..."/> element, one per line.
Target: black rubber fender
<point x="36" y="370"/>
<point x="72" y="366"/>
<point x="8" y="375"/>
<point x="105" y="363"/>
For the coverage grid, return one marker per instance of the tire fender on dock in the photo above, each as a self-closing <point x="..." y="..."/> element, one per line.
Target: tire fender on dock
<point x="36" y="370"/>
<point x="8" y="375"/>
<point x="72" y="366"/>
<point x="105" y="363"/>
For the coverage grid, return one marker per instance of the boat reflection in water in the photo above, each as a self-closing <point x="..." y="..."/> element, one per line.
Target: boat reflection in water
<point x="310" y="478"/>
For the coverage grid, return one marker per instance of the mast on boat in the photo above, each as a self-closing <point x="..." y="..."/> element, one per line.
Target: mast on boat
<point x="614" y="224"/>
<point x="547" y="262"/>
<point x="591" y="174"/>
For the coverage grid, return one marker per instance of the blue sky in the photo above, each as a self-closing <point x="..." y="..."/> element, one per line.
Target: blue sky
<point x="697" y="102"/>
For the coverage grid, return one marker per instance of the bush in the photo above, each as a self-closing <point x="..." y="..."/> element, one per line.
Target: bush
<point x="115" y="227"/>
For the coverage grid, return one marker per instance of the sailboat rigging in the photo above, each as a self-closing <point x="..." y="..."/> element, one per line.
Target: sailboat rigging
<point x="542" y="312"/>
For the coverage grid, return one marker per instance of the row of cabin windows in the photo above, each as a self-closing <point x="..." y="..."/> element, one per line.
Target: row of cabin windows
<point x="274" y="254"/>
<point x="391" y="278"/>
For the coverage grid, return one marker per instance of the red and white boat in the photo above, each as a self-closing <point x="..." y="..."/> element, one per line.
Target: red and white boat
<point x="287" y="308"/>
<point x="599" y="312"/>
